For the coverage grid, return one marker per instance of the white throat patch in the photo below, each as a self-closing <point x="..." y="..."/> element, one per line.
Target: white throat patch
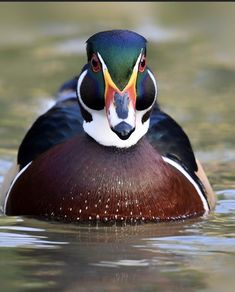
<point x="100" y="130"/>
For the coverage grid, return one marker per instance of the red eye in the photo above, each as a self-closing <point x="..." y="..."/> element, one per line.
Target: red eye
<point x="142" y="64"/>
<point x="95" y="63"/>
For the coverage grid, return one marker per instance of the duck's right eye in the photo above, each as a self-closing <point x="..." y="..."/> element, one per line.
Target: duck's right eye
<point x="95" y="63"/>
<point x="142" y="64"/>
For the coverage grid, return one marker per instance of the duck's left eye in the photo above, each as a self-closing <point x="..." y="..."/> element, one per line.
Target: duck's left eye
<point x="142" y="64"/>
<point x="95" y="63"/>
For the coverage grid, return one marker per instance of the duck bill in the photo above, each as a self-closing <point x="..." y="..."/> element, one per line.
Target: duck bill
<point x="121" y="106"/>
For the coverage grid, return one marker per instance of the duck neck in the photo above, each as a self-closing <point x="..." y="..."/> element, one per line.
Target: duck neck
<point x="99" y="129"/>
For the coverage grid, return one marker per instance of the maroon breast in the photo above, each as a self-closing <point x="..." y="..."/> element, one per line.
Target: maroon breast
<point x="81" y="180"/>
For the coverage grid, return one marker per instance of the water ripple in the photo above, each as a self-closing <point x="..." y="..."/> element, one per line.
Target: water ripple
<point x="122" y="263"/>
<point x="25" y="240"/>
<point x="194" y="245"/>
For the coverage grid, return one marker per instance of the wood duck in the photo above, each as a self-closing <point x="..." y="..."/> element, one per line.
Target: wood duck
<point x="106" y="151"/>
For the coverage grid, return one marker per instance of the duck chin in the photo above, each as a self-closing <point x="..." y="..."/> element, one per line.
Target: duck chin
<point x="99" y="129"/>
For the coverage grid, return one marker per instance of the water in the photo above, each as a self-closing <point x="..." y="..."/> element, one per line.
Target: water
<point x="191" y="50"/>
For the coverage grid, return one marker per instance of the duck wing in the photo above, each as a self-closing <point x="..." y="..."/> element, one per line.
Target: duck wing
<point x="58" y="124"/>
<point x="169" y="139"/>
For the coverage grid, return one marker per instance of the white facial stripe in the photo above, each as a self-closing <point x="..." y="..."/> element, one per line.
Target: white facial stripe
<point x="104" y="67"/>
<point x="180" y="168"/>
<point x="154" y="82"/>
<point x="136" y="67"/>
<point x="81" y="77"/>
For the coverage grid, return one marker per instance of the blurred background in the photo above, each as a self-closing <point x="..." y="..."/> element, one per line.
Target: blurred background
<point x="191" y="50"/>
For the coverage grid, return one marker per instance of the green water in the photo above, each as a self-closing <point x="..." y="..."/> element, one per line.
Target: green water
<point x="191" y="49"/>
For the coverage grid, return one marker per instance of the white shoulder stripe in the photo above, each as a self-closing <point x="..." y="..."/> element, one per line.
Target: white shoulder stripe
<point x="12" y="184"/>
<point x="180" y="168"/>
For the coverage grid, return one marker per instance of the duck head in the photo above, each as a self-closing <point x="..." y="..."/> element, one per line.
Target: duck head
<point x="116" y="89"/>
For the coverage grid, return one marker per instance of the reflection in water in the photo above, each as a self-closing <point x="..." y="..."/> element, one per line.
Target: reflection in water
<point x="151" y="256"/>
<point x="95" y="257"/>
<point x="192" y="54"/>
<point x="10" y="239"/>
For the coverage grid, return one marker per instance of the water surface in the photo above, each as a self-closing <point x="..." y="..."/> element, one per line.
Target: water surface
<point x="192" y="52"/>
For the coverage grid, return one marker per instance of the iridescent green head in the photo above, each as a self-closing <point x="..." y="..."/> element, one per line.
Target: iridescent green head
<point x="116" y="89"/>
